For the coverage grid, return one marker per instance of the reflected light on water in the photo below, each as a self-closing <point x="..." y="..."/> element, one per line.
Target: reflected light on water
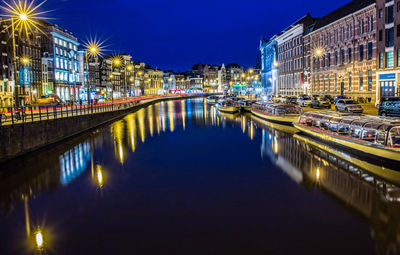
<point x="99" y="176"/>
<point x="318" y="174"/>
<point x="171" y="115"/>
<point x="39" y="239"/>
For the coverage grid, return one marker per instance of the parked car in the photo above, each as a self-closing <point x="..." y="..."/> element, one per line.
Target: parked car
<point x="337" y="98"/>
<point x="50" y="99"/>
<point x="291" y="100"/>
<point x="330" y="98"/>
<point x="389" y="106"/>
<point x="348" y="105"/>
<point x="304" y="101"/>
<point x="320" y="102"/>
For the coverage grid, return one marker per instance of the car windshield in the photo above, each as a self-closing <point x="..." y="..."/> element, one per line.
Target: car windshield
<point x="350" y="102"/>
<point x="306" y="98"/>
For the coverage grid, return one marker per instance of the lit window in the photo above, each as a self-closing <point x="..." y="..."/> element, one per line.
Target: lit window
<point x="390" y="60"/>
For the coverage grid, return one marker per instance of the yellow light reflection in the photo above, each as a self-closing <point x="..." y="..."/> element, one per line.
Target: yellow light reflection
<point x="150" y="118"/>
<point x="39" y="239"/>
<point x="99" y="176"/>
<point x="171" y="115"/>
<point x="142" y="130"/>
<point x="183" y="111"/>
<point x="318" y="174"/>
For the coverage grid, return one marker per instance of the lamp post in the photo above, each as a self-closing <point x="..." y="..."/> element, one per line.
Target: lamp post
<point x="93" y="49"/>
<point x="128" y="68"/>
<point x="24" y="18"/>
<point x="25" y="62"/>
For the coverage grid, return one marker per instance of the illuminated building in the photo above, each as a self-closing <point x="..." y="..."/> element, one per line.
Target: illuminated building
<point x="340" y="51"/>
<point x="28" y="73"/>
<point x="291" y="57"/>
<point x="388" y="48"/>
<point x="269" y="65"/>
<point x="61" y="48"/>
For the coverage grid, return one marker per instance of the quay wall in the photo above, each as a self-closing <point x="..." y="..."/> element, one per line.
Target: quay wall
<point x="16" y="140"/>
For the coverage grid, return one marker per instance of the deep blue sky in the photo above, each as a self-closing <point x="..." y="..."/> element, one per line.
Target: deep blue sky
<point x="174" y="34"/>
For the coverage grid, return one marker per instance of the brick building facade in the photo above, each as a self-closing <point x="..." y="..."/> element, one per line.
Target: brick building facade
<point x="388" y="48"/>
<point x="341" y="52"/>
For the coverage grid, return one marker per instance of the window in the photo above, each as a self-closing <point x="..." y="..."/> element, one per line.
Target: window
<point x="336" y="87"/>
<point x="380" y="35"/>
<point x="370" y="46"/>
<point x="398" y="6"/>
<point x="329" y="59"/>
<point x="398" y="57"/>
<point x="361" y="81"/>
<point x="389" y="14"/>
<point x="350" y="82"/>
<point x="361" y="50"/>
<point x="336" y="58"/>
<point x="380" y="60"/>
<point x="349" y="53"/>
<point x="380" y="13"/>
<point x="369" y="80"/>
<point x="390" y="59"/>
<point x="361" y="28"/>
<point x="398" y="30"/>
<point x="390" y="37"/>
<point x="342" y="56"/>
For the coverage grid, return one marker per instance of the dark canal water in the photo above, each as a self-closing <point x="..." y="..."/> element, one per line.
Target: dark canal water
<point x="180" y="178"/>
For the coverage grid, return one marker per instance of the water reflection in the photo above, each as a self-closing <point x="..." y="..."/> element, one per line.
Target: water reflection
<point x="307" y="162"/>
<point x="372" y="197"/>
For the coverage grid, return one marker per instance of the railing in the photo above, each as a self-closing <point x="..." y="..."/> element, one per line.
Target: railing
<point x="21" y="115"/>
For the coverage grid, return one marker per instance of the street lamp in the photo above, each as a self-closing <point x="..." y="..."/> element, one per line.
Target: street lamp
<point x="93" y="49"/>
<point x="24" y="17"/>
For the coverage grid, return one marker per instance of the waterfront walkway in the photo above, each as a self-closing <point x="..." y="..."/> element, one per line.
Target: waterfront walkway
<point x="50" y="112"/>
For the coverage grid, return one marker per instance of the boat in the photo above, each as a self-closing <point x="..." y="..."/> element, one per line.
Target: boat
<point x="281" y="113"/>
<point x="246" y="105"/>
<point x="227" y="106"/>
<point x="212" y="99"/>
<point x="374" y="136"/>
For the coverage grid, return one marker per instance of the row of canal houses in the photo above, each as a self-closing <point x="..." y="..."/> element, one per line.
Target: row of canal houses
<point x="353" y="51"/>
<point x="56" y="65"/>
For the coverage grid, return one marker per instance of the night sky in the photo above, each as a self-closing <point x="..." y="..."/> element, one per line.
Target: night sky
<point x="175" y="34"/>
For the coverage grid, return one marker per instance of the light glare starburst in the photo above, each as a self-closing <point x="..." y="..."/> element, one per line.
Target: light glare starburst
<point x="94" y="48"/>
<point x="24" y="14"/>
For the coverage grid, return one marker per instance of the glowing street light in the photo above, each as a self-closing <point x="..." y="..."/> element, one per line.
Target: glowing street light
<point x="318" y="52"/>
<point x="24" y="17"/>
<point x="25" y="60"/>
<point x="93" y="49"/>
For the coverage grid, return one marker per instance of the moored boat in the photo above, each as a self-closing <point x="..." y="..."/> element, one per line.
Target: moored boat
<point x="368" y="135"/>
<point x="280" y="113"/>
<point x="246" y="105"/>
<point x="212" y="99"/>
<point x="227" y="106"/>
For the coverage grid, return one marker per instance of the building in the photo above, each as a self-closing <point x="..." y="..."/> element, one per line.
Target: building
<point x="233" y="73"/>
<point x="61" y="48"/>
<point x="196" y="83"/>
<point x="29" y="66"/>
<point x="210" y="78"/>
<point x="340" y="51"/>
<point x="154" y="82"/>
<point x="222" y="80"/>
<point x="291" y="57"/>
<point x="269" y="65"/>
<point x="388" y="48"/>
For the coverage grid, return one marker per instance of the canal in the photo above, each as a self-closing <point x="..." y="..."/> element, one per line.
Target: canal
<point x="180" y="178"/>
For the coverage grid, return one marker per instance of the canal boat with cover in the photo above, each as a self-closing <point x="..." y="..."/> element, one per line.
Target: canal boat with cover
<point x="280" y="113"/>
<point x="227" y="106"/>
<point x="246" y="105"/>
<point x="369" y="135"/>
<point x="212" y="99"/>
